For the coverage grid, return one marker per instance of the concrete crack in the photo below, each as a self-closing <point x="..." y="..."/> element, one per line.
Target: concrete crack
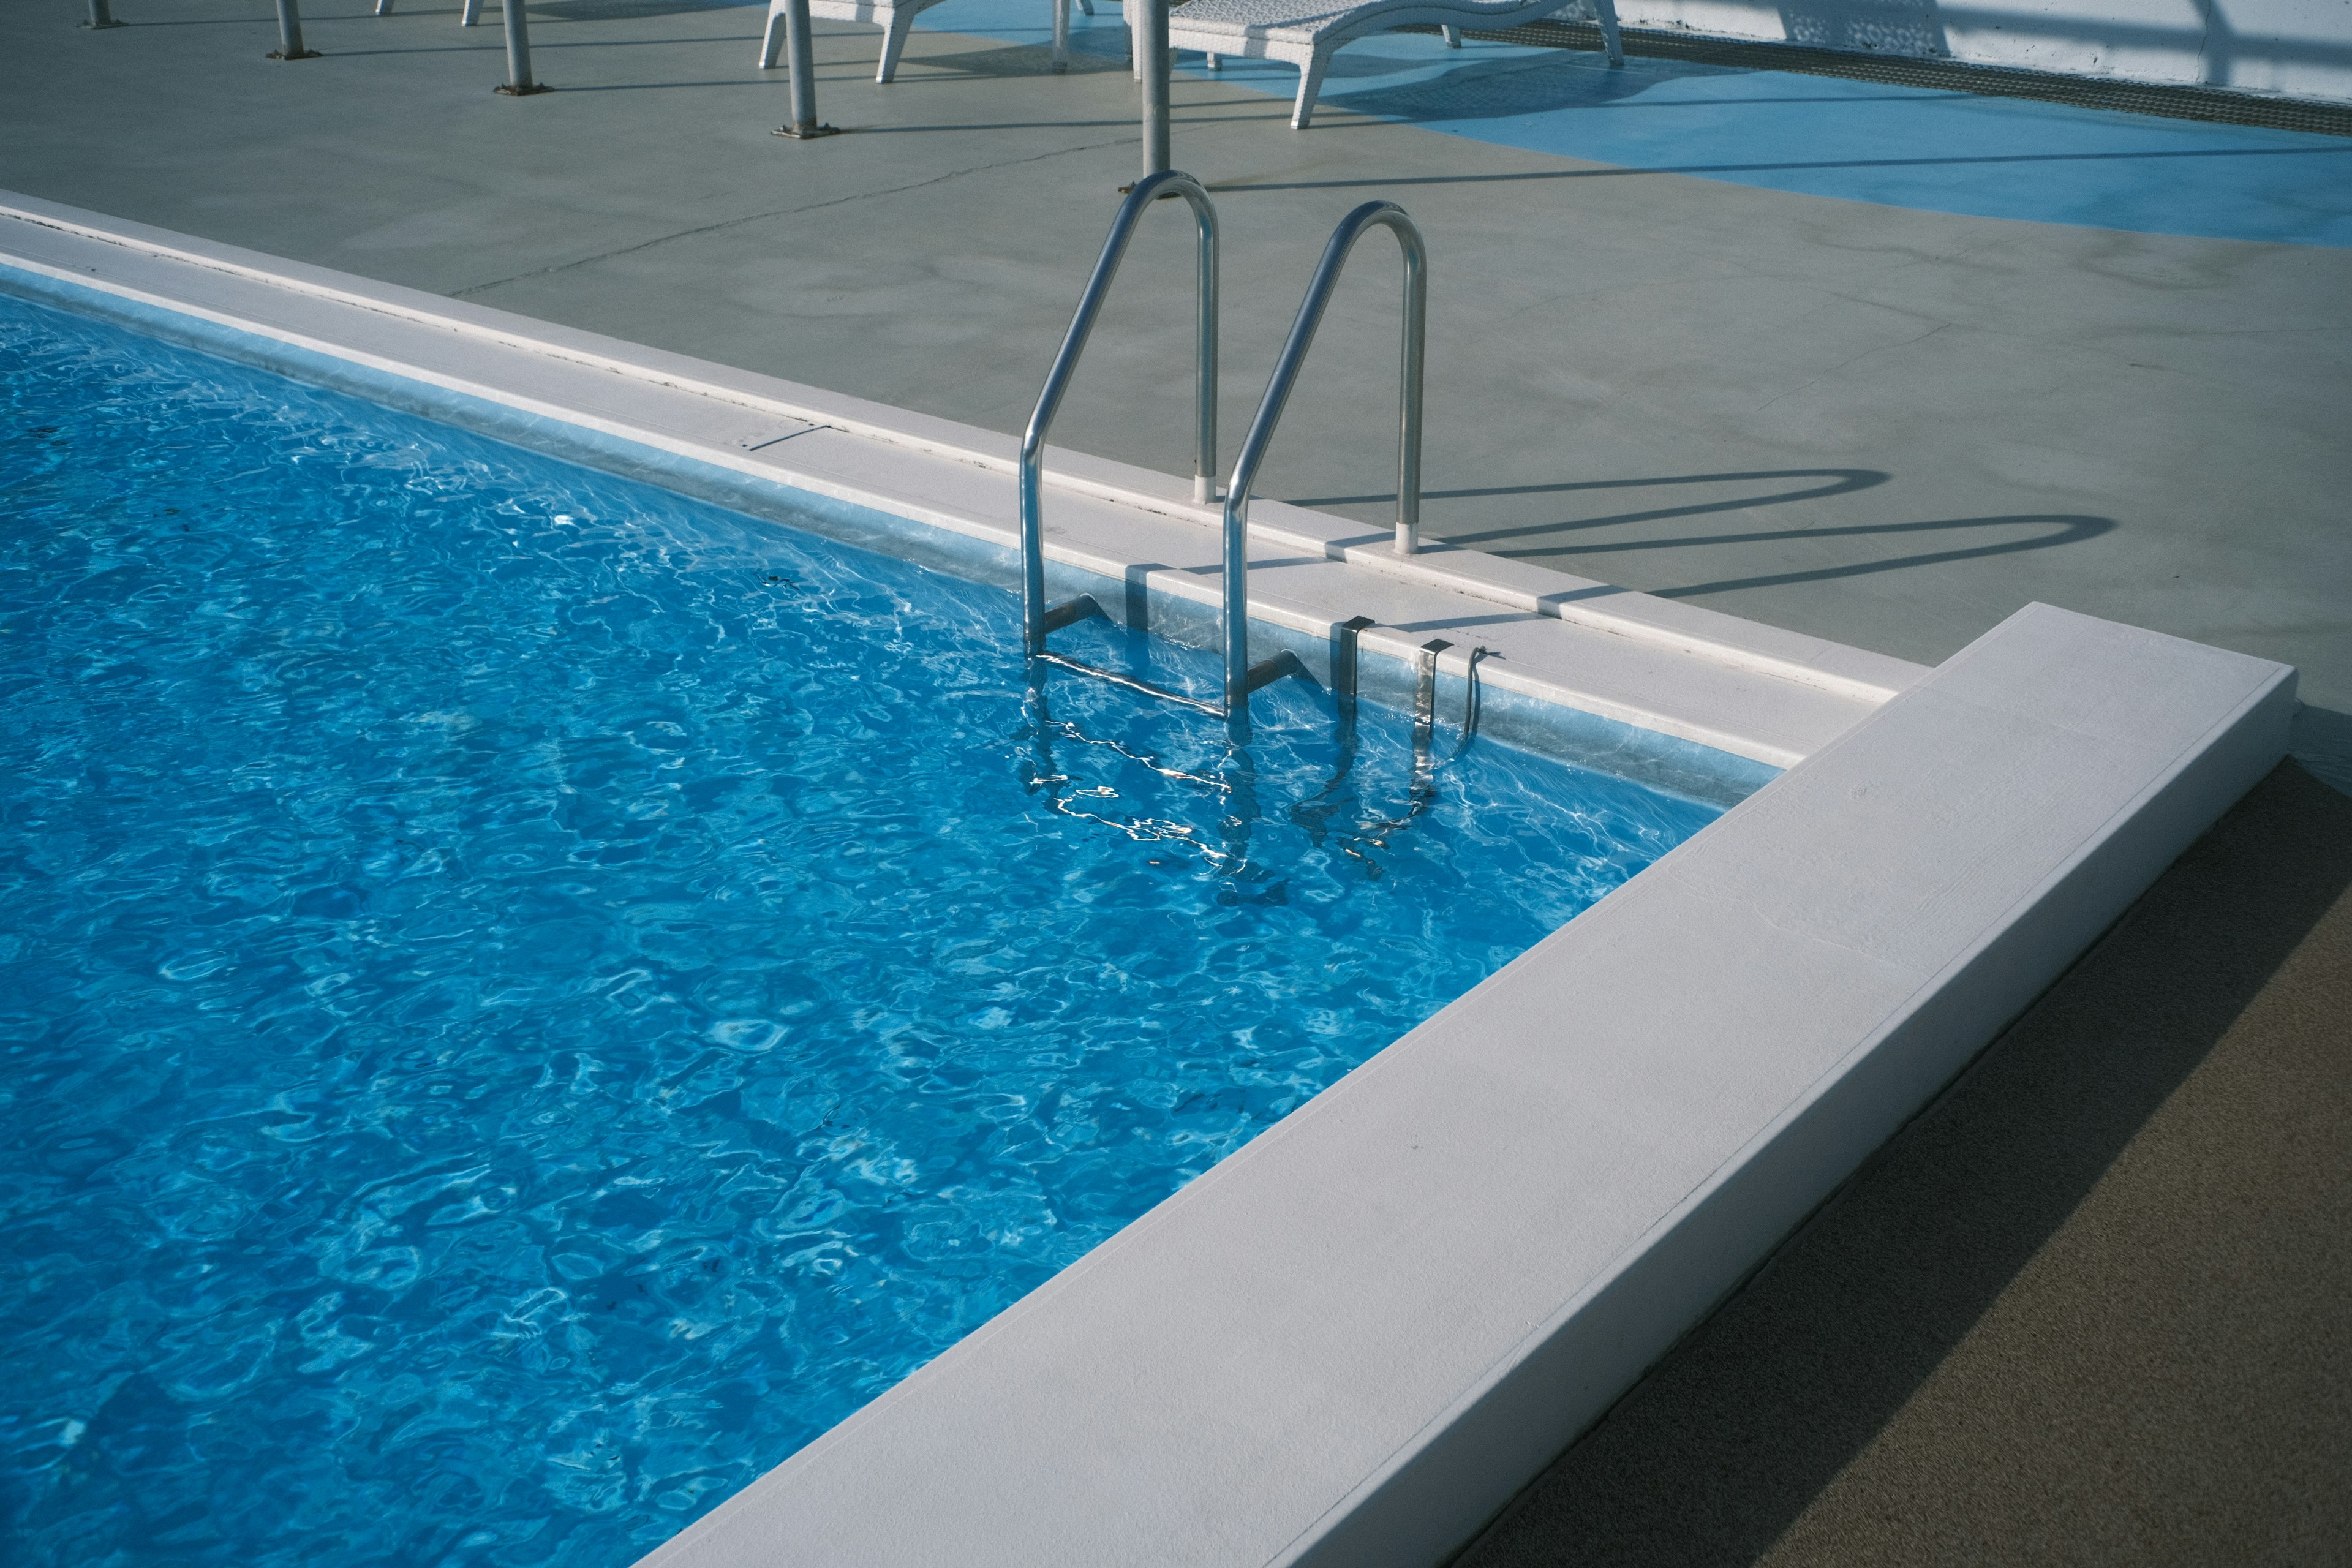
<point x="782" y="212"/>
<point x="1823" y="375"/>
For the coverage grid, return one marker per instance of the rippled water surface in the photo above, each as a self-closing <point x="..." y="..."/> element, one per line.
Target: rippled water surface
<point x="526" y="999"/>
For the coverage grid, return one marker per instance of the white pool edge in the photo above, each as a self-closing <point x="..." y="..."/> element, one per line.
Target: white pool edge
<point x="1660" y="666"/>
<point x="1354" y="1340"/>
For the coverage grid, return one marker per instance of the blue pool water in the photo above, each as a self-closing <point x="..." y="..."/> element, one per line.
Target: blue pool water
<point x="527" y="997"/>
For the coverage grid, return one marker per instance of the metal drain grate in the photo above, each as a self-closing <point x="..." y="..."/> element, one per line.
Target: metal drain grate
<point x="1949" y="76"/>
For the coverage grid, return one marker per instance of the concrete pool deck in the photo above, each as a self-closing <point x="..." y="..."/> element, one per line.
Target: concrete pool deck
<point x="2316" y="579"/>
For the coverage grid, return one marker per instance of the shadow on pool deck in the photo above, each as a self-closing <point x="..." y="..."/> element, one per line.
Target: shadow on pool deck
<point x="2091" y="1305"/>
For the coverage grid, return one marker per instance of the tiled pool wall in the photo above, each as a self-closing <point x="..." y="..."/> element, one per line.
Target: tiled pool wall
<point x="1563" y="733"/>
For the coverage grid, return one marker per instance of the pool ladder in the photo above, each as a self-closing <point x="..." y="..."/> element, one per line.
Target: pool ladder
<point x="1039" y="619"/>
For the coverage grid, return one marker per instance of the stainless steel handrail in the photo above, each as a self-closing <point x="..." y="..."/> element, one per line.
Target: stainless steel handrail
<point x="1240" y="679"/>
<point x="1036" y="619"/>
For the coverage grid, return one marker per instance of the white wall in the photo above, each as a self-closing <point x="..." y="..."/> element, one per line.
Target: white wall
<point x="2302" y="49"/>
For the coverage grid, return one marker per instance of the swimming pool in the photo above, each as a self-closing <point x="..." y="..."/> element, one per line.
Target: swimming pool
<point x="530" y="997"/>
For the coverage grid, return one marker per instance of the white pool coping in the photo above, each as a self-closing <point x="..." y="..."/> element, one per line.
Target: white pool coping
<point x="1661" y="667"/>
<point x="1352" y="1342"/>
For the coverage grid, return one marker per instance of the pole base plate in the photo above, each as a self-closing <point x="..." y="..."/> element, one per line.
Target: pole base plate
<point x="805" y="133"/>
<point x="513" y="91"/>
<point x="282" y="55"/>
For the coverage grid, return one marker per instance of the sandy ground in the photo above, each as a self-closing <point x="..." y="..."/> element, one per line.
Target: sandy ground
<point x="2090" y="1307"/>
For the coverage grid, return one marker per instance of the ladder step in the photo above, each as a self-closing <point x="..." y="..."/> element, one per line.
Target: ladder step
<point x="1132" y="683"/>
<point x="1265" y="672"/>
<point x="1082" y="608"/>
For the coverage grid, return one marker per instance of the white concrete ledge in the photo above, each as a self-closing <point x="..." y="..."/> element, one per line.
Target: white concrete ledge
<point x="1353" y="1340"/>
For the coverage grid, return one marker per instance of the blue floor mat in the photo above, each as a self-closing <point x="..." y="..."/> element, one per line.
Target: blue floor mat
<point x="1823" y="136"/>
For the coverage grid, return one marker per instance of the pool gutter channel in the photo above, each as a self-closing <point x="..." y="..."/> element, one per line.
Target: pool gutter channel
<point x="1354" y="1340"/>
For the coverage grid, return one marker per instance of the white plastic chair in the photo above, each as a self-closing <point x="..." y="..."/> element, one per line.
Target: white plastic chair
<point x="895" y="18"/>
<point x="1308" y="32"/>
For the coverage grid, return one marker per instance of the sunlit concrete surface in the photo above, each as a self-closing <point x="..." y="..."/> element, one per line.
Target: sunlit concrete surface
<point x="1882" y="425"/>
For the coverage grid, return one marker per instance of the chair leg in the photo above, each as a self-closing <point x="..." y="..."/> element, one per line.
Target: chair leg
<point x="772" y="42"/>
<point x="383" y="7"/>
<point x="1310" y="82"/>
<point x="471" y="13"/>
<point x="1453" y="36"/>
<point x="1607" y="11"/>
<point x="1061" y="33"/>
<point x="894" y="43"/>
<point x="1215" y="62"/>
<point x="1085" y="7"/>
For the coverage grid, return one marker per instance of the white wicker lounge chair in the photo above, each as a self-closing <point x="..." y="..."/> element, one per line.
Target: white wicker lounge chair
<point x="1307" y="33"/>
<point x="895" y="17"/>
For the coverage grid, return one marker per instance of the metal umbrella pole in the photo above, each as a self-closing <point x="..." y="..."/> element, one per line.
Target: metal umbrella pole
<point x="101" y="15"/>
<point x="289" y="33"/>
<point x="1151" y="65"/>
<point x="800" y="44"/>
<point x="519" y="83"/>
